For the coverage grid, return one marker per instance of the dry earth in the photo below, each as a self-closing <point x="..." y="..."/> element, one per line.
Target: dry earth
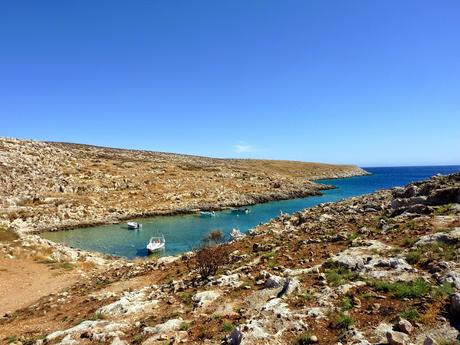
<point x="46" y="186"/>
<point x="23" y="281"/>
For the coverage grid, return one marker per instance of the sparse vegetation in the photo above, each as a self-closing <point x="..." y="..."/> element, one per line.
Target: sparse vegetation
<point x="307" y="296"/>
<point x="443" y="290"/>
<point x="227" y="326"/>
<point x="409" y="241"/>
<point x="97" y="316"/>
<point x="62" y="266"/>
<point x="411" y="314"/>
<point x="411" y="225"/>
<point x="11" y="339"/>
<point x="137" y="338"/>
<point x="400" y="290"/>
<point x="442" y="210"/>
<point x="337" y="275"/>
<point x="184" y="326"/>
<point x="304" y="339"/>
<point x="433" y="252"/>
<point x="346" y="304"/>
<point x="352" y="236"/>
<point x="342" y="321"/>
<point x="186" y="297"/>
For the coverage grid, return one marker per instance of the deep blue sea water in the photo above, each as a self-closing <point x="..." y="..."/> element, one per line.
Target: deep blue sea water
<point x="185" y="232"/>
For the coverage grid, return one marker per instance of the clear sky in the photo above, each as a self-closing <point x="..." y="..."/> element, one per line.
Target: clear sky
<point x="367" y="82"/>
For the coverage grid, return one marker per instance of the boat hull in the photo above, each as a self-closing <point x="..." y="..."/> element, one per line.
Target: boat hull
<point x="156" y="248"/>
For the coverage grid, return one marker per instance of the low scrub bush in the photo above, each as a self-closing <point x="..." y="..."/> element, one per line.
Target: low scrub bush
<point x="433" y="252"/>
<point x="400" y="290"/>
<point x="342" y="321"/>
<point x="186" y="297"/>
<point x="227" y="326"/>
<point x="337" y="275"/>
<point x="214" y="237"/>
<point x="442" y="210"/>
<point x="209" y="258"/>
<point x="303" y="339"/>
<point x="347" y="303"/>
<point x="443" y="290"/>
<point x="411" y="314"/>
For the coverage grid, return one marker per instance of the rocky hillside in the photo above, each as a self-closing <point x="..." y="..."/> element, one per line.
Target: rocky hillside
<point x="45" y="186"/>
<point x="378" y="269"/>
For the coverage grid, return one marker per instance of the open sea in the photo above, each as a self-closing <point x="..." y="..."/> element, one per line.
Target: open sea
<point x="185" y="232"/>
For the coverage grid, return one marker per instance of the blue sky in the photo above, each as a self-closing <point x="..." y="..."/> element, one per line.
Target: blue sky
<point x="374" y="83"/>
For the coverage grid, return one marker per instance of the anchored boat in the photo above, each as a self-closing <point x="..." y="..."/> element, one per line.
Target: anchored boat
<point x="240" y="210"/>
<point x="156" y="243"/>
<point x="207" y="214"/>
<point x="134" y="225"/>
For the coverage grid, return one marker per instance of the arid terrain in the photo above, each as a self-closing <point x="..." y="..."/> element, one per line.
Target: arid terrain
<point x="382" y="268"/>
<point x="48" y="186"/>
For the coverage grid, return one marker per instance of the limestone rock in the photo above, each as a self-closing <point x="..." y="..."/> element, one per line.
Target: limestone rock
<point x="404" y="326"/>
<point x="202" y="299"/>
<point x="397" y="338"/>
<point x="454" y="308"/>
<point x="430" y="341"/>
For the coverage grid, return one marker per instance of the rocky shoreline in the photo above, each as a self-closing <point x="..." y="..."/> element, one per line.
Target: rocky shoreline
<point x="382" y="268"/>
<point x="55" y="186"/>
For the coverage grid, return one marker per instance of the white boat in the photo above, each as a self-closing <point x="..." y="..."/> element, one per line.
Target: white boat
<point x="207" y="214"/>
<point x="156" y="243"/>
<point x="134" y="225"/>
<point x="240" y="211"/>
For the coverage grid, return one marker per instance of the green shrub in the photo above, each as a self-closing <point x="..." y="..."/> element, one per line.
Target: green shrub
<point x="347" y="303"/>
<point x="339" y="275"/>
<point x="307" y="296"/>
<point x="354" y="235"/>
<point x="410" y="314"/>
<point x="433" y="252"/>
<point x="11" y="339"/>
<point x="343" y="321"/>
<point x="186" y="297"/>
<point x="303" y="339"/>
<point x="97" y="316"/>
<point x="409" y="241"/>
<point x="227" y="326"/>
<point x="400" y="290"/>
<point x="412" y="224"/>
<point x="414" y="256"/>
<point x="137" y="339"/>
<point x="442" y="210"/>
<point x="184" y="326"/>
<point x="443" y="290"/>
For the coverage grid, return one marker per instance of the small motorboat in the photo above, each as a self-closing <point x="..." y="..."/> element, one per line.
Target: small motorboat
<point x="207" y="214"/>
<point x="156" y="243"/>
<point x="240" y="210"/>
<point x="134" y="225"/>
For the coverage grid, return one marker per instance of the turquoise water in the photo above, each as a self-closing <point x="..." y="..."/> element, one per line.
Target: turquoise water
<point x="185" y="232"/>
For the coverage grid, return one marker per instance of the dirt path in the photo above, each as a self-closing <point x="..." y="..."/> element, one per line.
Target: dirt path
<point x="23" y="281"/>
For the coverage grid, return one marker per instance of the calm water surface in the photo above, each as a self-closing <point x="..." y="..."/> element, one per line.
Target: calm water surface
<point x="183" y="233"/>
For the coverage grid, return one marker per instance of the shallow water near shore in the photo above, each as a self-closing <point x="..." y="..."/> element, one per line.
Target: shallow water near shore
<point x="185" y="232"/>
